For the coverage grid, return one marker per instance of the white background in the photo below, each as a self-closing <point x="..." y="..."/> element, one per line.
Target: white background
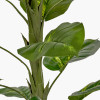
<point x="76" y="75"/>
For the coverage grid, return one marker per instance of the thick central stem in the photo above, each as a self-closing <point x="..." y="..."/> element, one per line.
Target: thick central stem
<point x="36" y="66"/>
<point x="35" y="25"/>
<point x="37" y="75"/>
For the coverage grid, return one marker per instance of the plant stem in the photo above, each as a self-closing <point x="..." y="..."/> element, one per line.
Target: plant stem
<point x="15" y="91"/>
<point x="15" y="57"/>
<point x="57" y="76"/>
<point x="35" y="25"/>
<point x="18" y="11"/>
<point x="31" y="79"/>
<point x="55" y="80"/>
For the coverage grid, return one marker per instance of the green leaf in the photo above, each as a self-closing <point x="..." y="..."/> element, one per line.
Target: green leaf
<point x="37" y="50"/>
<point x="68" y="33"/>
<point x="42" y="8"/>
<point x="55" y="8"/>
<point x="10" y="92"/>
<point x="51" y="63"/>
<point x="89" y="48"/>
<point x="55" y="63"/>
<point x="90" y="88"/>
<point x="35" y="98"/>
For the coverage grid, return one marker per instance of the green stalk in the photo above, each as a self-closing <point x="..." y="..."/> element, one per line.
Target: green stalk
<point x="15" y="57"/>
<point x="37" y="73"/>
<point x="18" y="11"/>
<point x="35" y="25"/>
<point x="57" y="77"/>
<point x="31" y="79"/>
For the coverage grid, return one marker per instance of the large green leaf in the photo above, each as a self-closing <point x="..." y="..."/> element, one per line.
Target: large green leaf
<point x="11" y="93"/>
<point x="63" y="41"/>
<point x="37" y="50"/>
<point x="89" y="48"/>
<point x="56" y="63"/>
<point x="55" y="8"/>
<point x="68" y="33"/>
<point x="80" y="95"/>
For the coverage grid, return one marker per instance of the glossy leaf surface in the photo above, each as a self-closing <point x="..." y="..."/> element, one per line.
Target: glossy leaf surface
<point x="89" y="48"/>
<point x="11" y="93"/>
<point x="55" y="63"/>
<point x="80" y="95"/>
<point x="37" y="50"/>
<point x="55" y="8"/>
<point x="68" y="33"/>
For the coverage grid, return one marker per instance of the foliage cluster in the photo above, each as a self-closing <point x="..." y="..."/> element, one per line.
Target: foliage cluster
<point x="63" y="45"/>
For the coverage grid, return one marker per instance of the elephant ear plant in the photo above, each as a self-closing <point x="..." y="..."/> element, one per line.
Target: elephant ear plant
<point x="63" y="45"/>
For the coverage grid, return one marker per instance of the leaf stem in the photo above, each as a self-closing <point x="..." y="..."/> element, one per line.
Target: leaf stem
<point x="31" y="79"/>
<point x="15" y="57"/>
<point x="57" y="76"/>
<point x="18" y="11"/>
<point x="15" y="91"/>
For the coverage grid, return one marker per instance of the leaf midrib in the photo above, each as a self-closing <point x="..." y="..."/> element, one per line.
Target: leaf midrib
<point x="52" y="8"/>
